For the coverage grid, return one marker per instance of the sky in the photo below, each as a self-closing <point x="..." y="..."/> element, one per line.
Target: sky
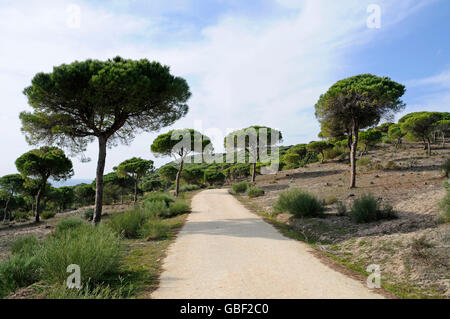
<point x="246" y="62"/>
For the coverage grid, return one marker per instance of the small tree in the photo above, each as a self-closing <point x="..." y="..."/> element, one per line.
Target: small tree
<point x="369" y="139"/>
<point x="44" y="163"/>
<point x="10" y="186"/>
<point x="84" y="194"/>
<point x="135" y="168"/>
<point x="62" y="197"/>
<point x="384" y="128"/>
<point x="180" y="144"/>
<point x="421" y="127"/>
<point x="168" y="174"/>
<point x="356" y="103"/>
<point x="320" y="147"/>
<point x="251" y="141"/>
<point x="105" y="100"/>
<point x="443" y="127"/>
<point x="193" y="175"/>
<point x="396" y="134"/>
<point x="213" y="177"/>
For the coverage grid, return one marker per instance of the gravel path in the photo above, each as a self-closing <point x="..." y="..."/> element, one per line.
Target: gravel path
<point x="225" y="251"/>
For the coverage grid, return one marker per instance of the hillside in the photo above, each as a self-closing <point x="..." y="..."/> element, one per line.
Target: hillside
<point x="412" y="250"/>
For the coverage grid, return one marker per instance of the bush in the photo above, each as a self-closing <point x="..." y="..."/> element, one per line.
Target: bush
<point x="446" y="168"/>
<point x="127" y="224"/>
<point x="391" y="165"/>
<point x="89" y="214"/>
<point x="25" y="247"/>
<point x="69" y="223"/>
<point x="366" y="209"/>
<point x="155" y="229"/>
<point x="86" y="292"/>
<point x="363" y="161"/>
<point x="153" y="209"/>
<point x="189" y="188"/>
<point x="154" y="197"/>
<point x="96" y="249"/>
<point x="17" y="272"/>
<point x="213" y="177"/>
<point x="444" y="215"/>
<point x="178" y="208"/>
<point x="240" y="187"/>
<point x="48" y="214"/>
<point x="331" y="200"/>
<point x="299" y="203"/>
<point x="21" y="216"/>
<point x="255" y="192"/>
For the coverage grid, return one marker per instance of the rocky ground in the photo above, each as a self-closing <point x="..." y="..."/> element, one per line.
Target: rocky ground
<point x="413" y="250"/>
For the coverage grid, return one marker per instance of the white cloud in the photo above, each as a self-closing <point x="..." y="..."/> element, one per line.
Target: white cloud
<point x="242" y="70"/>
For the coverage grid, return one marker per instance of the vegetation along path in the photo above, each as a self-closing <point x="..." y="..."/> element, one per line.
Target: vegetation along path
<point x="225" y="251"/>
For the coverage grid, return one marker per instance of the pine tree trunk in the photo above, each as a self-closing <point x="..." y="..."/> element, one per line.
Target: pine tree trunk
<point x="135" y="190"/>
<point x="254" y="173"/>
<point x="429" y="146"/>
<point x="177" y="181"/>
<point x="6" y="210"/>
<point x="99" y="180"/>
<point x="353" y="148"/>
<point x="443" y="140"/>
<point x="38" y="201"/>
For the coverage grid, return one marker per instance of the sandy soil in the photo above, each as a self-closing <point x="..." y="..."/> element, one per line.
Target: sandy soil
<point x="225" y="251"/>
<point x="413" y="251"/>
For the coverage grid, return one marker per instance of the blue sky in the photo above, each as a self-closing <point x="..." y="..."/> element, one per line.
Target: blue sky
<point x="247" y="62"/>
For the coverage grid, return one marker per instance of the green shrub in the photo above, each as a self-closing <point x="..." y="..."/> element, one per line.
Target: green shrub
<point x="391" y="165"/>
<point x="255" y="192"/>
<point x="446" y="168"/>
<point x="363" y="161"/>
<point x="86" y="292"/>
<point x="89" y="214"/>
<point x="154" y="197"/>
<point x="69" y="223"/>
<point x="331" y="200"/>
<point x="96" y="249"/>
<point x="444" y="215"/>
<point x="25" y="246"/>
<point x="21" y="216"/>
<point x="127" y="224"/>
<point x="155" y="229"/>
<point x="366" y="209"/>
<point x="48" y="214"/>
<point x="178" y="208"/>
<point x="189" y="188"/>
<point x="17" y="272"/>
<point x="154" y="209"/>
<point x="299" y="203"/>
<point x="240" y="187"/>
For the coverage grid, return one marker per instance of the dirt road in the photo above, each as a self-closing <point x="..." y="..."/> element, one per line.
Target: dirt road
<point x="225" y="251"/>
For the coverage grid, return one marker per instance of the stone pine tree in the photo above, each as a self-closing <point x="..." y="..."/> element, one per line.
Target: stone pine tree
<point x="320" y="147"/>
<point x="179" y="144"/>
<point x="356" y="103"/>
<point x="110" y="101"/>
<point x="421" y="127"/>
<point x="135" y="168"/>
<point x="42" y="164"/>
<point x="10" y="185"/>
<point x="250" y="141"/>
